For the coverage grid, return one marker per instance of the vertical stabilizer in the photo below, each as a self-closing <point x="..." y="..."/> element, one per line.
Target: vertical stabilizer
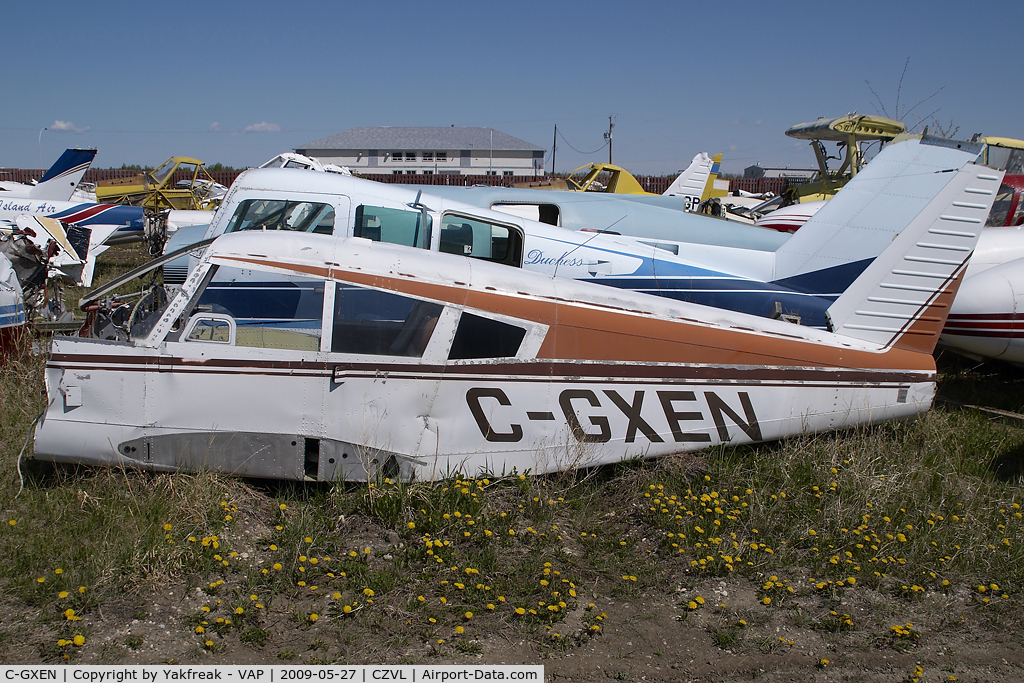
<point x="698" y="180"/>
<point x="902" y="299"/>
<point x="63" y="177"/>
<point x="875" y="206"/>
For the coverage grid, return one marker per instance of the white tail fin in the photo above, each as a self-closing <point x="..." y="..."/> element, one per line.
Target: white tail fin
<point x="697" y="182"/>
<point x="902" y="299"/>
<point x="875" y="206"/>
<point x="60" y="181"/>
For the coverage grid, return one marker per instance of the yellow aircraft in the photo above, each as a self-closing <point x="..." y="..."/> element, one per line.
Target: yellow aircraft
<point x="850" y="130"/>
<point x="621" y="181"/>
<point x="156" y="189"/>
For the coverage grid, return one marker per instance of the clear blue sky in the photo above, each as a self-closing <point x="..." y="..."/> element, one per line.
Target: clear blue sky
<point x="238" y="83"/>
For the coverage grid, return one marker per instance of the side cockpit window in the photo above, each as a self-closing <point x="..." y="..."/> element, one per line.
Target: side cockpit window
<point x="259" y="309"/>
<point x="479" y="337"/>
<point x="394" y="226"/>
<point x="371" y="322"/>
<point x="476" y="238"/>
<point x="279" y="214"/>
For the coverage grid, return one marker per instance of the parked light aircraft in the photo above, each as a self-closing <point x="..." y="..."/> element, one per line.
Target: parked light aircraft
<point x="58" y="183"/>
<point x="309" y="356"/>
<point x="129" y="220"/>
<point x="798" y="279"/>
<point x="12" y="307"/>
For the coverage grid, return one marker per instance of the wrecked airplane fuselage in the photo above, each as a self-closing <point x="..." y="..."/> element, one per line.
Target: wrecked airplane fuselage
<point x="305" y="356"/>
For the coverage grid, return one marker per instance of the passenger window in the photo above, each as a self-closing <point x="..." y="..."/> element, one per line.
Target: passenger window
<point x="394" y="226"/>
<point x="368" y="321"/>
<point x="482" y="240"/>
<point x="478" y="337"/>
<point x="269" y="311"/>
<point x="275" y="214"/>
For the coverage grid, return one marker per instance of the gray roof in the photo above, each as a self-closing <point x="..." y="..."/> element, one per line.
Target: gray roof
<point x="387" y="137"/>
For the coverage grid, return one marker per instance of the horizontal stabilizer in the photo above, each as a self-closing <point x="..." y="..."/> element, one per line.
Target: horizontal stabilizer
<point x="902" y="299"/>
<point x="875" y="206"/>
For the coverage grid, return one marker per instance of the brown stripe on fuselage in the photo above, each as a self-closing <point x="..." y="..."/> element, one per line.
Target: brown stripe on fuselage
<point x="581" y="331"/>
<point x="923" y="334"/>
<point x="524" y="370"/>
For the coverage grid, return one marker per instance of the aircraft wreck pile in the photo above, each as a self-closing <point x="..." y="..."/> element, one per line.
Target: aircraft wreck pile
<point x="334" y="328"/>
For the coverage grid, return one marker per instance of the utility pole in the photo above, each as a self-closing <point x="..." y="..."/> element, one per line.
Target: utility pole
<point x="608" y="137"/>
<point x="554" y="146"/>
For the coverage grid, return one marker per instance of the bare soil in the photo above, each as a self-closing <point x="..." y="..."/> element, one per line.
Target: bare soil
<point x="650" y="636"/>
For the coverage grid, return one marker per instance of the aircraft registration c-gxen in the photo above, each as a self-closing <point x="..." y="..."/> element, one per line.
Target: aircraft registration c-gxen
<point x="309" y="356"/>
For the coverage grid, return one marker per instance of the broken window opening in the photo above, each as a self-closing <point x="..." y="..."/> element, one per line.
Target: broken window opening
<point x="479" y="337"/>
<point x="268" y="313"/>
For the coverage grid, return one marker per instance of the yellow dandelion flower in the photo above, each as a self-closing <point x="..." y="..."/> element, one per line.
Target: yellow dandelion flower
<point x="78" y="640"/>
<point x="314" y="616"/>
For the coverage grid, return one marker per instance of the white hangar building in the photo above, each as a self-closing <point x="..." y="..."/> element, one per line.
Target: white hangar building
<point x="463" y="151"/>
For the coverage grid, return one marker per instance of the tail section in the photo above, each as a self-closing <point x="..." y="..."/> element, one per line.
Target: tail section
<point x="698" y="181"/>
<point x="63" y="177"/>
<point x="902" y="299"/>
<point x="876" y="206"/>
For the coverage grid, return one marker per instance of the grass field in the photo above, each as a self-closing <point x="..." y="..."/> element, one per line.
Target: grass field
<point x="880" y="550"/>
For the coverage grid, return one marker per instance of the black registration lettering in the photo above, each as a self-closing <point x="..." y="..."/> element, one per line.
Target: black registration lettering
<point x="717" y="407"/>
<point x="473" y="397"/>
<point x="565" y="400"/>
<point x="674" y="417"/>
<point x="632" y="412"/>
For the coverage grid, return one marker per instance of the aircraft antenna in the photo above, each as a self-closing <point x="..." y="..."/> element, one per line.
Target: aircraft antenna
<point x="568" y="253"/>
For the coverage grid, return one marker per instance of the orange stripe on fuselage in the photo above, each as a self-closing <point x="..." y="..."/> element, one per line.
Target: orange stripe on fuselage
<point x="587" y="332"/>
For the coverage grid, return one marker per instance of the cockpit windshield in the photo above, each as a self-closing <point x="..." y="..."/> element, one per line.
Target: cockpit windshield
<point x="279" y="214"/>
<point x="160" y="174"/>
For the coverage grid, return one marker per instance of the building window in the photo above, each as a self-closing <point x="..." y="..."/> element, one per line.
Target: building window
<point x="506" y="173"/>
<point x="492" y="173"/>
<point x="441" y="156"/>
<point x="428" y="156"/>
<point x="410" y="156"/>
<point x="396" y="156"/>
<point x="428" y="173"/>
<point x="410" y="173"/>
<point x="396" y="173"/>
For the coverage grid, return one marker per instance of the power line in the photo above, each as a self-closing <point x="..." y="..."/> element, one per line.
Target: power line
<point x="579" y="151"/>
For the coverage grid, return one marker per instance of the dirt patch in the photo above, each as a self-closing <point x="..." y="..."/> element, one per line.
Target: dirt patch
<point x="652" y="636"/>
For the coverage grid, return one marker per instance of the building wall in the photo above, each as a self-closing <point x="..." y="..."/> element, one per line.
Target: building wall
<point x="418" y="162"/>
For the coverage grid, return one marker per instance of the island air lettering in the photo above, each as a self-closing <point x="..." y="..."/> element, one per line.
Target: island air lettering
<point x="590" y="419"/>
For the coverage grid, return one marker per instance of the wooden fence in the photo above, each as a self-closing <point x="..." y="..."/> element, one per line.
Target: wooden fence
<point x="654" y="184"/>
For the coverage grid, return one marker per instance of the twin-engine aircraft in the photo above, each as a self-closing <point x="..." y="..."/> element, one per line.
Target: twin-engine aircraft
<point x="797" y="278"/>
<point x="312" y="356"/>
